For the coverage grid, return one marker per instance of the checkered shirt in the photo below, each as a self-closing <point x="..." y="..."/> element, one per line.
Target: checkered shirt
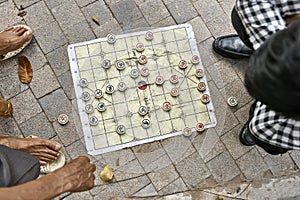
<point x="273" y="128"/>
<point x="262" y="18"/>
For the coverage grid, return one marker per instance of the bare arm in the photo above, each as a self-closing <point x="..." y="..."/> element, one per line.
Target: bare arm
<point x="76" y="176"/>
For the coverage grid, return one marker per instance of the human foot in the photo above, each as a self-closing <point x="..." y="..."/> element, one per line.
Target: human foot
<point x="44" y="149"/>
<point x="13" y="40"/>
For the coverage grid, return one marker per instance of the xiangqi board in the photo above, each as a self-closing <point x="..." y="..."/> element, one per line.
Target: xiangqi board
<point x="140" y="87"/>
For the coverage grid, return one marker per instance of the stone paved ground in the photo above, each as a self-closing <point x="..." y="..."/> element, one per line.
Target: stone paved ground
<point x="210" y="160"/>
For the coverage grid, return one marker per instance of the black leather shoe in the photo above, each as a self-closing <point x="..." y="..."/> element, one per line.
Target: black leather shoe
<point x="231" y="46"/>
<point x="245" y="137"/>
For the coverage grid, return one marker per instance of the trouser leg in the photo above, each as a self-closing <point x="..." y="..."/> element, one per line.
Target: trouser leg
<point x="269" y="148"/>
<point x="17" y="167"/>
<point x="239" y="27"/>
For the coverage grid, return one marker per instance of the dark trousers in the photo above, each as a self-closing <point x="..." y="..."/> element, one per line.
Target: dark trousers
<point x="240" y="29"/>
<point x="269" y="148"/>
<point x="17" y="167"/>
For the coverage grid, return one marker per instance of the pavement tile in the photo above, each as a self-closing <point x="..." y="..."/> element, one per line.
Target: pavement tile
<point x="192" y="170"/>
<point x="147" y="191"/>
<point x="222" y="73"/>
<point x="223" y="167"/>
<point x="240" y="67"/>
<point x="8" y="126"/>
<point x="66" y="82"/>
<point x="55" y="104"/>
<point x="181" y="10"/>
<point x="110" y="26"/>
<point x="208" y="144"/>
<point x="25" y="106"/>
<point x="280" y="164"/>
<point x="200" y="30"/>
<point x="163" y="177"/>
<point x="119" y="158"/>
<point x="137" y="25"/>
<point x="225" y="119"/>
<point x="154" y="11"/>
<point x="25" y="3"/>
<point x="43" y="82"/>
<point x="233" y="144"/>
<point x="252" y="165"/>
<point x="99" y="10"/>
<point x="151" y="156"/>
<point x="130" y="170"/>
<point x="178" y="147"/>
<point x="208" y="182"/>
<point x="7" y="66"/>
<point x="50" y="37"/>
<point x="59" y="60"/>
<point x="53" y="3"/>
<point x="38" y="126"/>
<point x="38" y="15"/>
<point x="295" y="155"/>
<point x="107" y="191"/>
<point x="74" y="14"/>
<point x="10" y="85"/>
<point x="79" y="196"/>
<point x="208" y="9"/>
<point x="220" y="26"/>
<point x="164" y="22"/>
<point x="208" y="56"/>
<point x="111" y="2"/>
<point x="83" y="3"/>
<point x="262" y="152"/>
<point x="79" y="32"/>
<point x="217" y="98"/>
<point x="242" y="113"/>
<point x="176" y="186"/>
<point x="77" y="148"/>
<point x="9" y="15"/>
<point x="125" y="18"/>
<point x="234" y="89"/>
<point x="34" y="55"/>
<point x="67" y="133"/>
<point x="227" y="5"/>
<point x="131" y="186"/>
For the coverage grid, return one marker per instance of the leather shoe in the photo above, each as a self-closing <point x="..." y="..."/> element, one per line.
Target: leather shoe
<point x="245" y="137"/>
<point x="231" y="46"/>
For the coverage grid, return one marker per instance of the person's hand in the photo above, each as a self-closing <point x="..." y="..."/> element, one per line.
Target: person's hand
<point x="44" y="149"/>
<point x="77" y="175"/>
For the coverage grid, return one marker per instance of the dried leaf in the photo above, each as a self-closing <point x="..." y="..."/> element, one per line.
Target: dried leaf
<point x="107" y="174"/>
<point x="24" y="70"/>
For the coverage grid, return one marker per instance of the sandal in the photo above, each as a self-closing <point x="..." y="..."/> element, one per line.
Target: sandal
<point x="54" y="165"/>
<point x="15" y="52"/>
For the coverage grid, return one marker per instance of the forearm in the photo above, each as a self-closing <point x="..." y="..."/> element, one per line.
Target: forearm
<point x="4" y="140"/>
<point x="44" y="188"/>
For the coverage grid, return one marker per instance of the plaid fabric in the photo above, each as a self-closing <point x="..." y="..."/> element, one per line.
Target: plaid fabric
<point x="273" y="128"/>
<point x="262" y="18"/>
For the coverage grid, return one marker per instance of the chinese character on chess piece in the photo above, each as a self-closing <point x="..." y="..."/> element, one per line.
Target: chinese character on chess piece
<point x="5" y="108"/>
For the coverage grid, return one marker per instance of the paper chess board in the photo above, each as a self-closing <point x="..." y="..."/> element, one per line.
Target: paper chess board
<point x="140" y="87"/>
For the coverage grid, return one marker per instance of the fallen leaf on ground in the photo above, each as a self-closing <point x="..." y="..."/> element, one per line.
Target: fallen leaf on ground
<point x="107" y="174"/>
<point x="24" y="70"/>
